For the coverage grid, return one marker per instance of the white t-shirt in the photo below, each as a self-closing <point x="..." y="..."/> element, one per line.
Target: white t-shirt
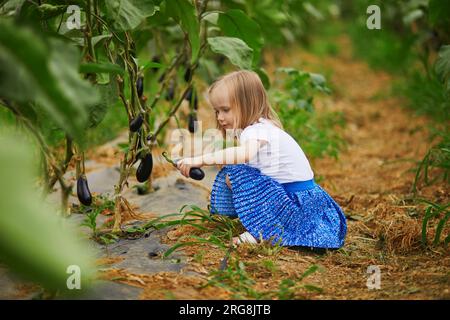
<point x="281" y="158"/>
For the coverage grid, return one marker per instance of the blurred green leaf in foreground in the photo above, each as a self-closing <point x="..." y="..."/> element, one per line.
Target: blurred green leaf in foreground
<point x="35" y="242"/>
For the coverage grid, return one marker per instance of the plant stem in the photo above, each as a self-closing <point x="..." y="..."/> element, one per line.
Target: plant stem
<point x="170" y="115"/>
<point x="88" y="33"/>
<point x="64" y="164"/>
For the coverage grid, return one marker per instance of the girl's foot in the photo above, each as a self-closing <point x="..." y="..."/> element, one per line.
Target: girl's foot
<point x="245" y="237"/>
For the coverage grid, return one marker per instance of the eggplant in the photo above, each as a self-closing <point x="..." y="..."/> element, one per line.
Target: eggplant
<point x="191" y="122"/>
<point x="136" y="123"/>
<point x="140" y="86"/>
<point x="188" y="74"/>
<point x="192" y="94"/>
<point x="196" y="173"/>
<point x="83" y="193"/>
<point x="170" y="94"/>
<point x="144" y="170"/>
<point x="156" y="59"/>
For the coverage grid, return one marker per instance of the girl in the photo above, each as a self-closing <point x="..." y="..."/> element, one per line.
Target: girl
<point x="267" y="180"/>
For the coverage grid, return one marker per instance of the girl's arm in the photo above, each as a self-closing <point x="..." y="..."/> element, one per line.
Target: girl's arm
<point x="233" y="155"/>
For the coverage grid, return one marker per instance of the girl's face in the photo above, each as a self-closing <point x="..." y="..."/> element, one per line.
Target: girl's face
<point x="224" y="112"/>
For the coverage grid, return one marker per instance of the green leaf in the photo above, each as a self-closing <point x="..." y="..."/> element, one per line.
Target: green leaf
<point x="310" y="271"/>
<point x="177" y="246"/>
<point x="235" y="23"/>
<point x="95" y="40"/>
<point x="28" y="111"/>
<point x="104" y="67"/>
<point x="211" y="17"/>
<point x="160" y="17"/>
<point x="52" y="73"/>
<point x="48" y="11"/>
<point x="413" y="16"/>
<point x="439" y="11"/>
<point x="152" y="64"/>
<point x="236" y="50"/>
<point x="312" y="10"/>
<point x="184" y="13"/>
<point x="208" y="70"/>
<point x="317" y="79"/>
<point x="442" y="66"/>
<point x="10" y="5"/>
<point x="109" y="96"/>
<point x="128" y="14"/>
<point x="264" y="77"/>
<point x="319" y="82"/>
<point x="35" y="242"/>
<point x="64" y="61"/>
<point x="13" y="79"/>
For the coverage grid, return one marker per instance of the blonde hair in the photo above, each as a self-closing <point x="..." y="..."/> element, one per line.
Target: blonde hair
<point x="248" y="98"/>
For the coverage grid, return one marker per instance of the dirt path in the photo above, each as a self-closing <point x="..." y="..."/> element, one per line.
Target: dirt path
<point x="371" y="180"/>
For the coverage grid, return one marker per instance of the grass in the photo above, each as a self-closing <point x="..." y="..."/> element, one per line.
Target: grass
<point x="323" y="42"/>
<point x="270" y="265"/>
<point x="234" y="274"/>
<point x="101" y="204"/>
<point x="382" y="49"/>
<point x="435" y="165"/>
<point x="237" y="279"/>
<point x="215" y="230"/>
<point x="199" y="256"/>
<point x="289" y="288"/>
<point x="325" y="49"/>
<point x="425" y="94"/>
<point x="434" y="168"/>
<point x="212" y="229"/>
<point x="442" y="214"/>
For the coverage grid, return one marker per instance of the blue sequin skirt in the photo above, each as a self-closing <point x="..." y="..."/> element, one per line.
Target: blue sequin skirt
<point x="292" y="214"/>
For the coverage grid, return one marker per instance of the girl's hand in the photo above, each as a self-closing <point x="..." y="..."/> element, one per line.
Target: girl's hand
<point x="185" y="165"/>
